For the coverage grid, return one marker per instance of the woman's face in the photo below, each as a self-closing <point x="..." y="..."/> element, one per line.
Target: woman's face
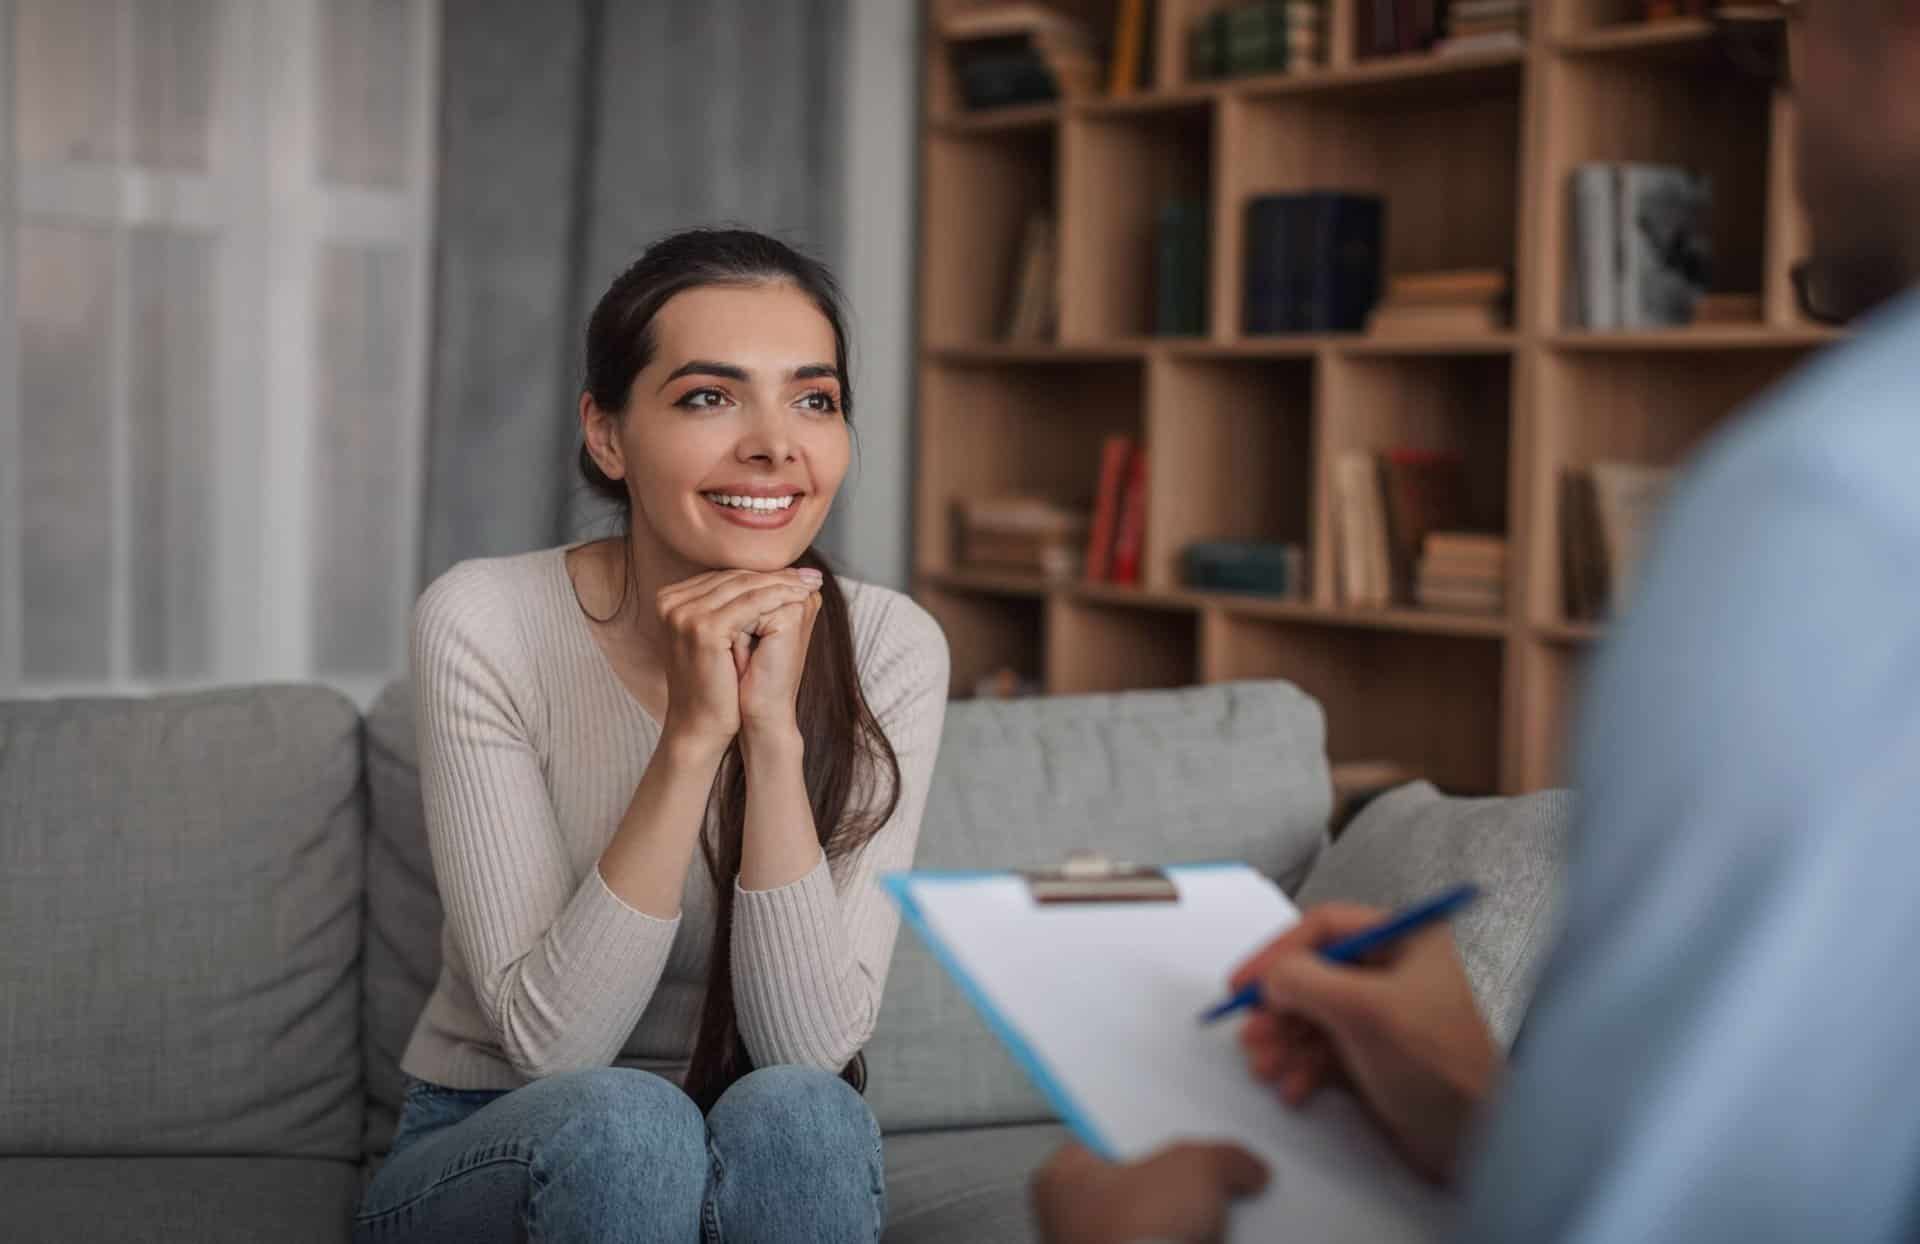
<point x="733" y="443"/>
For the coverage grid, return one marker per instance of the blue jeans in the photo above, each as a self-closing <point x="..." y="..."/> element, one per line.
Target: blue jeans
<point x="613" y="1153"/>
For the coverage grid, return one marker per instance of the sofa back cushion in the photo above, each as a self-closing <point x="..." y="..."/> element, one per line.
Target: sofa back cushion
<point x="1235" y="771"/>
<point x="403" y="907"/>
<point x="1413" y="842"/>
<point x="180" y="897"/>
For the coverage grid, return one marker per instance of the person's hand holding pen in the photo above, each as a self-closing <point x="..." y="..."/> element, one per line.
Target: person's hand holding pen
<point x="1402" y="1030"/>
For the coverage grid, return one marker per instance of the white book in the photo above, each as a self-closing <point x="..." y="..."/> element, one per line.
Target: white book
<point x="1594" y="288"/>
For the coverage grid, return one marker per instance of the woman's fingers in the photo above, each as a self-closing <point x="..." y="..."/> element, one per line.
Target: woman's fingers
<point x="1318" y="926"/>
<point x="744" y="611"/>
<point x="724" y="587"/>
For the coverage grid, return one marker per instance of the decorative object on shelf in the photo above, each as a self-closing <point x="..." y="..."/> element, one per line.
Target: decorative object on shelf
<point x="1363" y="562"/>
<point x="1475" y="27"/>
<point x="1313" y="261"/>
<point x="1462" y="572"/>
<point x="1033" y="307"/>
<point x="1180" y="268"/>
<point x="1130" y="69"/>
<point x="1021" y="53"/>
<point x="1641" y="252"/>
<point x="1005" y="683"/>
<point x="1257" y="36"/>
<point x="1268" y="569"/>
<point x="1444" y="304"/>
<point x="1607" y="513"/>
<point x="1027" y="535"/>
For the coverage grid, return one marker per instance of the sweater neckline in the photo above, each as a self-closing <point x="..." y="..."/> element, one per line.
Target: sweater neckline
<point x="570" y="605"/>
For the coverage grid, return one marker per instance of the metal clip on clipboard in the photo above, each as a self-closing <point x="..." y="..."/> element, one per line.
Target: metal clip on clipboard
<point x="1090" y="877"/>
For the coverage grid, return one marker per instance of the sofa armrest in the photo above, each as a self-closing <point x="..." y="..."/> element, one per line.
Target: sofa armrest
<point x="1405" y="845"/>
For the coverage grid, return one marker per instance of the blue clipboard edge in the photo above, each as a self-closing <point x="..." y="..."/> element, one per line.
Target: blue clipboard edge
<point x="900" y="886"/>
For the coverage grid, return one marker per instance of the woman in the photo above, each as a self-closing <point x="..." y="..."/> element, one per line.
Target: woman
<point x="663" y="774"/>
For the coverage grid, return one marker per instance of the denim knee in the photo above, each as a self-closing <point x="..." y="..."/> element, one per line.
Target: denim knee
<point x="617" y="1123"/>
<point x="797" y="1120"/>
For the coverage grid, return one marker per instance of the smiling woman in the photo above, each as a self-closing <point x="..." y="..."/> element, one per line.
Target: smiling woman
<point x="592" y="718"/>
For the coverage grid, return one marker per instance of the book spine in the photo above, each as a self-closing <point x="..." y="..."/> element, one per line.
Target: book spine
<point x="1596" y="283"/>
<point x="1128" y="543"/>
<point x="1106" y="513"/>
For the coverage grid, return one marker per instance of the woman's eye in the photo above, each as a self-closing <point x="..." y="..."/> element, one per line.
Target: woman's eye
<point x="703" y="399"/>
<point x="823" y="402"/>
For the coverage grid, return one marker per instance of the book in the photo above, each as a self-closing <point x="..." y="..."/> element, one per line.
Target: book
<point x="1313" y="261"/>
<point x="1449" y="287"/>
<point x="1180" y="268"/>
<point x="1114" y="452"/>
<point x="1582" y="574"/>
<point x="1424" y="491"/>
<point x="1475" y="546"/>
<point x="1031" y="314"/>
<point x="1018" y="53"/>
<point x="1392" y="320"/>
<point x="1031" y="535"/>
<point x="1666" y="253"/>
<point x="1129" y="48"/>
<point x="1594" y="290"/>
<point x="1130" y="539"/>
<point x="1627" y="500"/>
<point x="1362" y="562"/>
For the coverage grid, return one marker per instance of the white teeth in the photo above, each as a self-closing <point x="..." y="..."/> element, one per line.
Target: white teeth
<point x="764" y="504"/>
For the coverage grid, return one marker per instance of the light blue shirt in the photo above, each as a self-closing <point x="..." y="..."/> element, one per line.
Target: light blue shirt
<point x="1726" y="1044"/>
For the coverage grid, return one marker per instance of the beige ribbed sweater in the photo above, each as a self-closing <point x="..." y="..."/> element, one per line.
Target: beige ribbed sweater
<point x="530" y="749"/>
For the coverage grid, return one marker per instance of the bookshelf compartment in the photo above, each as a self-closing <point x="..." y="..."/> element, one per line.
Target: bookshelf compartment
<point x="1118" y="171"/>
<point x="1458" y="404"/>
<point x="987" y="632"/>
<point x="1428" y="702"/>
<point x="1232" y="456"/>
<point x="1030" y="428"/>
<point x="1094" y="647"/>
<point x="1651" y="408"/>
<point x="1447" y="168"/>
<point x="1555" y="676"/>
<point x="1701" y="114"/>
<point x="973" y="241"/>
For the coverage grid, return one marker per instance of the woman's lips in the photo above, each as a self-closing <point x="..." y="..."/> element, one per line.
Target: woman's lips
<point x="759" y="520"/>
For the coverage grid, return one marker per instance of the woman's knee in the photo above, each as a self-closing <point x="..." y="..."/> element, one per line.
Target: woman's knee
<point x="617" y="1117"/>
<point x="795" y="1108"/>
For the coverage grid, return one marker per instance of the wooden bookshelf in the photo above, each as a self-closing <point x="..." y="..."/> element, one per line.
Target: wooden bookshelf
<point x="1472" y="154"/>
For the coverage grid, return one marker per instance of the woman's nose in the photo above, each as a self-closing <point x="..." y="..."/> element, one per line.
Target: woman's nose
<point x="767" y="437"/>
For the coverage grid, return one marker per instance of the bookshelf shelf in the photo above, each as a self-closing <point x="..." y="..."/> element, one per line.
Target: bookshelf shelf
<point x="1472" y="154"/>
<point x="1703" y="338"/>
<point x="1686" y="37"/>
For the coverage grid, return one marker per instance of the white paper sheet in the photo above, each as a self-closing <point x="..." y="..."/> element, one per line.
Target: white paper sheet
<point x="1105" y="1000"/>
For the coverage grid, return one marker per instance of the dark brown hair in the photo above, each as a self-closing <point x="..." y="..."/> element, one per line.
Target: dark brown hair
<point x="852" y="775"/>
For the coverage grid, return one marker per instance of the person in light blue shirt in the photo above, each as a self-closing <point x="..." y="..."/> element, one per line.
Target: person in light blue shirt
<point x="1726" y="1041"/>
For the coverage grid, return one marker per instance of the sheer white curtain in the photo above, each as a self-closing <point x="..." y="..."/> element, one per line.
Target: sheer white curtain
<point x="215" y="223"/>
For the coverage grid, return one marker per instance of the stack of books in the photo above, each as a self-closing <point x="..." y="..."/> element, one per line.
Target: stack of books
<point x="1021" y="53"/>
<point x="1484" y="26"/>
<point x="1388" y="507"/>
<point x="1021" y="535"/>
<point x="1258" y="36"/>
<point x="1462" y="571"/>
<point x="1313" y="261"/>
<point x="1444" y="304"/>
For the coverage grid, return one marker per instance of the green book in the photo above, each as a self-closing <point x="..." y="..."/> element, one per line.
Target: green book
<point x="1180" y="268"/>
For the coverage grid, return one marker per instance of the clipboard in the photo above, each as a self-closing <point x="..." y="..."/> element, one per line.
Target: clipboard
<point x="1098" y="1004"/>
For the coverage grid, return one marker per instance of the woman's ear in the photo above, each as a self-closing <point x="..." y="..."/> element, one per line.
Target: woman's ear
<point x="597" y="427"/>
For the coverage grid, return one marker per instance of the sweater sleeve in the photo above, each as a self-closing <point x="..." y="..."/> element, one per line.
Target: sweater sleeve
<point x="562" y="967"/>
<point x="810" y="959"/>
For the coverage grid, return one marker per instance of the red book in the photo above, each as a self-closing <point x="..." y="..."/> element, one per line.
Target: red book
<point x="1133" y="522"/>
<point x="1106" y="509"/>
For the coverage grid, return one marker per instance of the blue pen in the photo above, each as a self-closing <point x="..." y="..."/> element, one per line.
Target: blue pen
<point x="1361" y="944"/>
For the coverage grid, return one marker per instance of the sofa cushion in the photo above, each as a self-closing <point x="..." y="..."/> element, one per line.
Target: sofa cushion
<point x="958" y="1187"/>
<point x="1410" y="842"/>
<point x="1234" y="771"/>
<point x="403" y="908"/>
<point x="110" y="1200"/>
<point x="180" y="897"/>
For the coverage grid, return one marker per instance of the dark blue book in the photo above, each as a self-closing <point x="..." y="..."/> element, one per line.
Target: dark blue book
<point x="1313" y="262"/>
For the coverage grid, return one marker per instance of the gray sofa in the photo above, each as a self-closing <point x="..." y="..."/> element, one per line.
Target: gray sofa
<point x="218" y="923"/>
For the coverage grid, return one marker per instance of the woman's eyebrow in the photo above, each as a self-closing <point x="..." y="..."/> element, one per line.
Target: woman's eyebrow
<point x="815" y="371"/>
<point x="706" y="367"/>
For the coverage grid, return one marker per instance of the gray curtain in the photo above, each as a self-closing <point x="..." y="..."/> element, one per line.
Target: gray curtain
<point x="573" y="132"/>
